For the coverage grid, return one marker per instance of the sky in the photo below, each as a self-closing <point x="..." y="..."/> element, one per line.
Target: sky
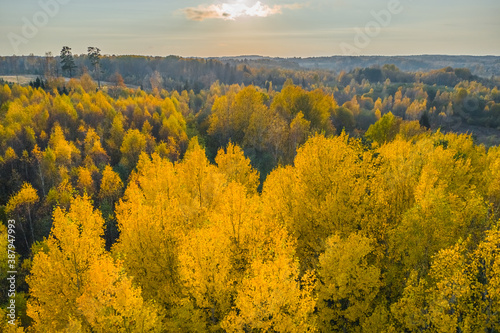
<point x="277" y="28"/>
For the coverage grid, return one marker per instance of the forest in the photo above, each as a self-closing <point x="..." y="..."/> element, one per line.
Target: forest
<point x="363" y="201"/>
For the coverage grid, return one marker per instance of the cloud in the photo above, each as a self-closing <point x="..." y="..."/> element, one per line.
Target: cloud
<point x="231" y="11"/>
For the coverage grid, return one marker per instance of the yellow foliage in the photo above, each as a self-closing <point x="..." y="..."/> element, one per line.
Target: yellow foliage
<point x="74" y="279"/>
<point x="110" y="303"/>
<point x="206" y="270"/>
<point x="154" y="199"/>
<point x="452" y="286"/>
<point x="85" y="182"/>
<point x="201" y="180"/>
<point x="493" y="177"/>
<point x="273" y="298"/>
<point x="215" y="257"/>
<point x="27" y="196"/>
<point x="94" y="149"/>
<point x="447" y="207"/>
<point x="10" y="155"/>
<point x="410" y="311"/>
<point x="87" y="83"/>
<point x="61" y="195"/>
<point x="236" y="167"/>
<point x="299" y="133"/>
<point x="346" y="236"/>
<point x="321" y="195"/>
<point x="111" y="185"/>
<point x="65" y="152"/>
<point x="5" y="327"/>
<point x="348" y="283"/>
<point x="58" y="276"/>
<point x="134" y="143"/>
<point x="486" y="264"/>
<point x="3" y="254"/>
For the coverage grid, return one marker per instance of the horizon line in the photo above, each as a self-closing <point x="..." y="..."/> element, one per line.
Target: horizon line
<point x="269" y="57"/>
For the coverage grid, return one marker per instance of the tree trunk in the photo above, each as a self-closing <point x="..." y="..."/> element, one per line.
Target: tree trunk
<point x="31" y="225"/>
<point x="41" y="178"/>
<point x="24" y="233"/>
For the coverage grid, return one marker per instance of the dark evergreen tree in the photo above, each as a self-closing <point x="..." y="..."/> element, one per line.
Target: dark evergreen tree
<point x="94" y="54"/>
<point x="67" y="61"/>
<point x="424" y="120"/>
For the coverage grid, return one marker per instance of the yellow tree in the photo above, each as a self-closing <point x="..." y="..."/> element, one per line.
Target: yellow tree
<point x="115" y="140"/>
<point x="110" y="191"/>
<point x="319" y="111"/>
<point x="93" y="148"/>
<point x="299" y="132"/>
<point x="272" y="296"/>
<point x="322" y="194"/>
<point x="22" y="204"/>
<point x="236" y="167"/>
<point x="85" y="182"/>
<point x="8" y="324"/>
<point x="13" y="316"/>
<point x="460" y="293"/>
<point x="276" y="194"/>
<point x="66" y="153"/>
<point x="43" y="166"/>
<point x="290" y="101"/>
<point x="173" y="201"/>
<point x="493" y="178"/>
<point x="205" y="269"/>
<point x="201" y="180"/>
<point x="5" y="93"/>
<point x="4" y="242"/>
<point x="220" y="119"/>
<point x="170" y="200"/>
<point x="257" y="133"/>
<point x="58" y="275"/>
<point x="73" y="279"/>
<point x="111" y="185"/>
<point x="451" y="293"/>
<point x="385" y="129"/>
<point x="134" y="143"/>
<point x="87" y="83"/>
<point x="233" y="113"/>
<point x="348" y="283"/>
<point x="8" y="328"/>
<point x="410" y="311"/>
<point x="110" y="302"/>
<point x="61" y="195"/>
<point x="247" y="102"/>
<point x="214" y="258"/>
<point x="151" y="220"/>
<point x="277" y="136"/>
<point x="398" y="166"/>
<point x="447" y="207"/>
<point x="486" y="265"/>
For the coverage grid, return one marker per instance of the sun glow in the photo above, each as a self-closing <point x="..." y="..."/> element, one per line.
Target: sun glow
<point x="239" y="9"/>
<point x="232" y="11"/>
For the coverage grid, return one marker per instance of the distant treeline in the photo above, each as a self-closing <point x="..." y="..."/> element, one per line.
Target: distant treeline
<point x="171" y="73"/>
<point x="177" y="73"/>
<point x="484" y="66"/>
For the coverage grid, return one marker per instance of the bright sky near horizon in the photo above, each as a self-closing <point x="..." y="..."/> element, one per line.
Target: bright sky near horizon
<point x="285" y="28"/>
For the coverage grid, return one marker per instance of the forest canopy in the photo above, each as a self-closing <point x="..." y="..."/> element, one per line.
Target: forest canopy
<point x="243" y="207"/>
